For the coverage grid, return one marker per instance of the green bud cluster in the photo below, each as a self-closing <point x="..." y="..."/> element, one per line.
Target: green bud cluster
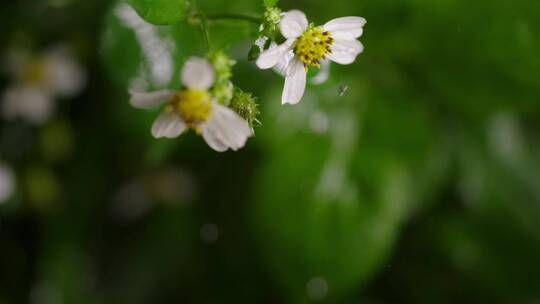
<point x="227" y="94"/>
<point x="271" y="20"/>
<point x="223" y="89"/>
<point x="268" y="31"/>
<point x="246" y="106"/>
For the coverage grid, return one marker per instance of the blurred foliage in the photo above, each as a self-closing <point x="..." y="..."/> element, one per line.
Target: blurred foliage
<point x="411" y="176"/>
<point x="160" y="11"/>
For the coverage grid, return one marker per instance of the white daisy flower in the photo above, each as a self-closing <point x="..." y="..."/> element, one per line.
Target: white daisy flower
<point x="309" y="45"/>
<point x="194" y="108"/>
<point x="7" y="183"/>
<point x="38" y="80"/>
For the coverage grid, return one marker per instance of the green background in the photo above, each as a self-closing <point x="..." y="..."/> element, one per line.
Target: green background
<point x="410" y="176"/>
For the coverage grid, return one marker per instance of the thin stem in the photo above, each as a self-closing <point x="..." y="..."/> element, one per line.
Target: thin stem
<point x="204" y="26"/>
<point x="227" y="16"/>
<point x="204" y="29"/>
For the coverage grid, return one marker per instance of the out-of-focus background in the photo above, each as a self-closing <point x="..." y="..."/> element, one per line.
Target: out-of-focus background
<point x="410" y="176"/>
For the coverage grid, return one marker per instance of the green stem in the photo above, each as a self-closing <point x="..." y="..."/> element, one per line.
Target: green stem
<point x="202" y="19"/>
<point x="204" y="29"/>
<point x="227" y="16"/>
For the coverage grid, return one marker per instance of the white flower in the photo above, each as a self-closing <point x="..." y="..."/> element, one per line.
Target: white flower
<point x="64" y="76"/>
<point x="27" y="102"/>
<point x="307" y="45"/>
<point x="38" y="80"/>
<point x="7" y="183"/>
<point x="195" y="108"/>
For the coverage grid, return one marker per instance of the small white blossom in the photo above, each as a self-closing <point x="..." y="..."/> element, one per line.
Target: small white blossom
<point x="7" y="183"/>
<point x="307" y="45"/>
<point x="195" y="108"/>
<point x="37" y="81"/>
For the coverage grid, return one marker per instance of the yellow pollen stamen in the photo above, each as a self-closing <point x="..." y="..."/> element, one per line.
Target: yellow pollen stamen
<point x="313" y="46"/>
<point x="194" y="106"/>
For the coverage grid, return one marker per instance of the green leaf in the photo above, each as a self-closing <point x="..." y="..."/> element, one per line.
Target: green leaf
<point x="253" y="53"/>
<point x="227" y="34"/>
<point x="162" y="12"/>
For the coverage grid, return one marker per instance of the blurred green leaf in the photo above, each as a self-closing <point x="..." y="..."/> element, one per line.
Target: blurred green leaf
<point x="500" y="172"/>
<point x="336" y="185"/>
<point x="227" y="34"/>
<point x="160" y="12"/>
<point x="57" y="140"/>
<point x="43" y="188"/>
<point x="493" y="246"/>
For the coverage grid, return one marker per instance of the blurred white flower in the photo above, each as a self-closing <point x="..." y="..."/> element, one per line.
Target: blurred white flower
<point x="158" y="50"/>
<point x="195" y="108"/>
<point x="64" y="76"/>
<point x="27" y="102"/>
<point x="37" y="81"/>
<point x="7" y="183"/>
<point x="309" y="45"/>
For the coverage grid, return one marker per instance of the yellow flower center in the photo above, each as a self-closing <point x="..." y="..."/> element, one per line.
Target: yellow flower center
<point x="194" y="106"/>
<point x="313" y="46"/>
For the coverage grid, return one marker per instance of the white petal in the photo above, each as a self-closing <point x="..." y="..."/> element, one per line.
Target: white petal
<point x="295" y="83"/>
<point x="274" y="54"/>
<point x="149" y="100"/>
<point x="213" y="140"/>
<point x="7" y="183"/>
<point x="226" y="129"/>
<point x="198" y="73"/>
<point x="30" y="103"/>
<point x="64" y="75"/>
<point x="169" y="125"/>
<point x="346" y="27"/>
<point x="345" y="51"/>
<point x="283" y="64"/>
<point x="293" y="24"/>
